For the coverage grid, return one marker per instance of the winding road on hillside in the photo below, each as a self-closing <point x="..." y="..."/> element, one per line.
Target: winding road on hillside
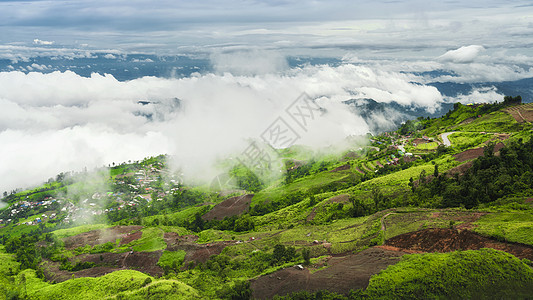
<point x="445" y="139"/>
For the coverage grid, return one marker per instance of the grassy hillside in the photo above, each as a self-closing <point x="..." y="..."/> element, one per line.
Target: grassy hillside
<point x="137" y="231"/>
<point x="482" y="274"/>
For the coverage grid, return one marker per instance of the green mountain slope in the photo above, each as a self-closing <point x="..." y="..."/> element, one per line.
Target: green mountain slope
<point x="136" y="230"/>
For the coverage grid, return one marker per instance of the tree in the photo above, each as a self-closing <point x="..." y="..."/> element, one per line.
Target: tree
<point x="358" y="209"/>
<point x="377" y="197"/>
<point x="509" y="100"/>
<point x="306" y="254"/>
<point x="244" y="223"/>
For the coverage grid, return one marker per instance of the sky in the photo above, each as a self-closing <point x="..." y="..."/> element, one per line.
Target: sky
<point x="55" y="118"/>
<point x="290" y="26"/>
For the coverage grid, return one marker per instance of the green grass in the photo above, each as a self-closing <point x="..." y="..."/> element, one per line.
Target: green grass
<point x="124" y="284"/>
<point x="474" y="274"/>
<point x="494" y="122"/>
<point x="13" y="230"/>
<point x="151" y="240"/>
<point x="426" y="146"/>
<point x="8" y="264"/>
<point x="162" y="289"/>
<point x="413" y="219"/>
<point x="177" y="217"/>
<point x="63" y="233"/>
<point x="464" y="140"/>
<point x="171" y="259"/>
<point x="303" y="184"/>
<point x="508" y="226"/>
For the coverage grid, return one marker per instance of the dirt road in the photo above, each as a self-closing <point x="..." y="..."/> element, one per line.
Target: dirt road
<point x="445" y="139"/>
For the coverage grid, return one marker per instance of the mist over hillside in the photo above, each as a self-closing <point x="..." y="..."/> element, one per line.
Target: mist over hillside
<point x="88" y="109"/>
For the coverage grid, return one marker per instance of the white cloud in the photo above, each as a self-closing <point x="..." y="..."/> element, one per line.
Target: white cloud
<point x="110" y="56"/>
<point x="479" y="95"/>
<point x="65" y="121"/>
<point x="39" y="67"/>
<point x="41" y="42"/>
<point x="465" y="54"/>
<point x="147" y="60"/>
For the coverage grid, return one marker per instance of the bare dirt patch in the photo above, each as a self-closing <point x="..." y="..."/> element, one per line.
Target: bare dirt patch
<point x="475" y="153"/>
<point x="527" y="114"/>
<point x="419" y="141"/>
<point x="106" y="263"/>
<point x="342" y="198"/>
<point x="130" y="237"/>
<point x="344" y="273"/>
<point x="341" y="168"/>
<point x="96" y="237"/>
<point x="460" y="169"/>
<point x="229" y="207"/>
<point x="197" y="253"/>
<point x="521" y="113"/>
<point x="447" y="240"/>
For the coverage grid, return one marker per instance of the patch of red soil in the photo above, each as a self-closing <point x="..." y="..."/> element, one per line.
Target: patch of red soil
<point x="351" y="155"/>
<point x="447" y="240"/>
<point x="199" y="253"/>
<point x="145" y="262"/>
<point x="130" y="237"/>
<point x="341" y="168"/>
<point x="229" y="207"/>
<point x="379" y="164"/>
<point x="475" y="153"/>
<point x="340" y="198"/>
<point x="527" y="114"/>
<point x="203" y="253"/>
<point x="106" y="263"/>
<point x="521" y="113"/>
<point x="460" y="169"/>
<point x="96" y="237"/>
<point x="343" y="274"/>
<point x="419" y="141"/>
<point x="359" y="170"/>
<point x="529" y="200"/>
<point x="172" y="239"/>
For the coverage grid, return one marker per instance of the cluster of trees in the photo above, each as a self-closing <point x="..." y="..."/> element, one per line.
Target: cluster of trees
<point x="489" y="179"/>
<point x="412" y="126"/>
<point x="246" y="179"/>
<point x="27" y="253"/>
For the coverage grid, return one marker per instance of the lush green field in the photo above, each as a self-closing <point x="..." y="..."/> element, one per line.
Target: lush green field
<point x="481" y="274"/>
<point x="63" y="233"/>
<point x="151" y="240"/>
<point x="507" y="226"/>
<point x="464" y="140"/>
<point x="126" y="284"/>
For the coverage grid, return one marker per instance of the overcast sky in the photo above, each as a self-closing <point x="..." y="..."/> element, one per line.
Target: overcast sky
<point x="310" y="27"/>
